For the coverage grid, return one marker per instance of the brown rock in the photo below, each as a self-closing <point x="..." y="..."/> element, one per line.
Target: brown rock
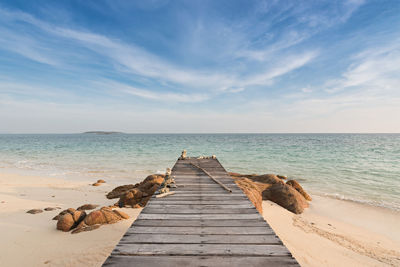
<point x="111" y="217"/>
<point x="265" y="178"/>
<point x="139" y="193"/>
<point x="96" y="184"/>
<point x="281" y="177"/>
<point x="78" y="216"/>
<point x="285" y="196"/>
<point x="71" y="210"/>
<point x="121" y="214"/>
<point x="252" y="190"/>
<point x="101" y="181"/>
<point x="95" y="217"/>
<point x="65" y="222"/>
<point x="297" y="186"/>
<point x="120" y="190"/>
<point x="87" y="207"/>
<point x="34" y="211"/>
<point x="85" y="228"/>
<point x="49" y="209"/>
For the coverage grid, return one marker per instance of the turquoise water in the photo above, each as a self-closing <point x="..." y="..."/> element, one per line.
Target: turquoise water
<point x="359" y="167"/>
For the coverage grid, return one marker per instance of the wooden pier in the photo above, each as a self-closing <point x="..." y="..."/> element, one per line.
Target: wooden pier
<point x="202" y="224"/>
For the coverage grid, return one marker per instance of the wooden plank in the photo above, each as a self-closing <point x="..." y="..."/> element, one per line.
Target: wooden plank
<point x="197" y="223"/>
<point x="180" y="194"/>
<point x="200" y="201"/>
<point x="203" y="230"/>
<point x="197" y="239"/>
<point x="199" y="216"/>
<point x="184" y="210"/>
<point x="199" y="206"/>
<point x="199" y="261"/>
<point x="201" y="249"/>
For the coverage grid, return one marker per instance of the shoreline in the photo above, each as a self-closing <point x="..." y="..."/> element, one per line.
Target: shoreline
<point x="330" y="232"/>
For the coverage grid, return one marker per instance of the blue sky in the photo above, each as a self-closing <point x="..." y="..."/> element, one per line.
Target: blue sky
<point x="199" y="66"/>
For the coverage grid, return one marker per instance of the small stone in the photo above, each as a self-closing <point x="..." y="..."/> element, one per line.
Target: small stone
<point x="34" y="211"/>
<point x="85" y="228"/>
<point x="101" y="181"/>
<point x="281" y="176"/>
<point x="88" y="207"/>
<point x="96" y="184"/>
<point x="49" y="209"/>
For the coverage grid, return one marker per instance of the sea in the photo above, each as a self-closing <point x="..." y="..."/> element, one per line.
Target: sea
<point x="358" y="167"/>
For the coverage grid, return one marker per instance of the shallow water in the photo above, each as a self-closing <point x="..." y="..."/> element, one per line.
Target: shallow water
<point x="359" y="167"/>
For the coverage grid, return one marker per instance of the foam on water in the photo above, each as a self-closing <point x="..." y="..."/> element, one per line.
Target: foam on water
<point x="358" y="167"/>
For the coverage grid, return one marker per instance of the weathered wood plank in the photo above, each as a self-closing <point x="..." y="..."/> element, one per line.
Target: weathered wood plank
<point x="199" y="261"/>
<point x="180" y="194"/>
<point x="205" y="202"/>
<point x="183" y="210"/>
<point x="199" y="216"/>
<point x="203" y="230"/>
<point x="197" y="223"/>
<point x="201" y="249"/>
<point x="200" y="206"/>
<point x="199" y="239"/>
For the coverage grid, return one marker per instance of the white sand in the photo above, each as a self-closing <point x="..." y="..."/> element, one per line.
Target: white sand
<point x="338" y="233"/>
<point x="357" y="235"/>
<point x="32" y="239"/>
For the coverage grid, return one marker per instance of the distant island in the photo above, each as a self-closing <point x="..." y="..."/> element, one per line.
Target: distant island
<point x="101" y="132"/>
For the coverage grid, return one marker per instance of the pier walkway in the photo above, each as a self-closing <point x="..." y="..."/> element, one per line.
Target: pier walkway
<point x="202" y="224"/>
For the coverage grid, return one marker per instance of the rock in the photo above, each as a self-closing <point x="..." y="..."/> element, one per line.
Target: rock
<point x="105" y="215"/>
<point x="281" y="177"/>
<point x="285" y="196"/>
<point x="65" y="222"/>
<point x="56" y="217"/>
<point x="96" y="184"/>
<point x="139" y="193"/>
<point x="87" y="207"/>
<point x="49" y="209"/>
<point x="297" y="186"/>
<point x="120" y="190"/>
<point x="85" y="228"/>
<point x="265" y="178"/>
<point x="34" y="211"/>
<point x="101" y="181"/>
<point x="121" y="214"/>
<point x="95" y="217"/>
<point x="69" y="219"/>
<point x="253" y="191"/>
<point x="110" y="216"/>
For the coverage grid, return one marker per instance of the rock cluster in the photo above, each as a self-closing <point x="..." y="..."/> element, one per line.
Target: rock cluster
<point x="137" y="195"/>
<point x="289" y="195"/>
<point x="79" y="221"/>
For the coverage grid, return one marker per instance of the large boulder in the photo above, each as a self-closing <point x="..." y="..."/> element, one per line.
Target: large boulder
<point x="264" y="178"/>
<point x="138" y="194"/>
<point x="285" y="196"/>
<point x="297" y="186"/>
<point x="70" y="220"/>
<point x="95" y="219"/>
<point x="120" y="190"/>
<point x="253" y="191"/>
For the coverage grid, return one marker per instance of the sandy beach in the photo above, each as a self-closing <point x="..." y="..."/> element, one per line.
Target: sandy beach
<point x="329" y="233"/>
